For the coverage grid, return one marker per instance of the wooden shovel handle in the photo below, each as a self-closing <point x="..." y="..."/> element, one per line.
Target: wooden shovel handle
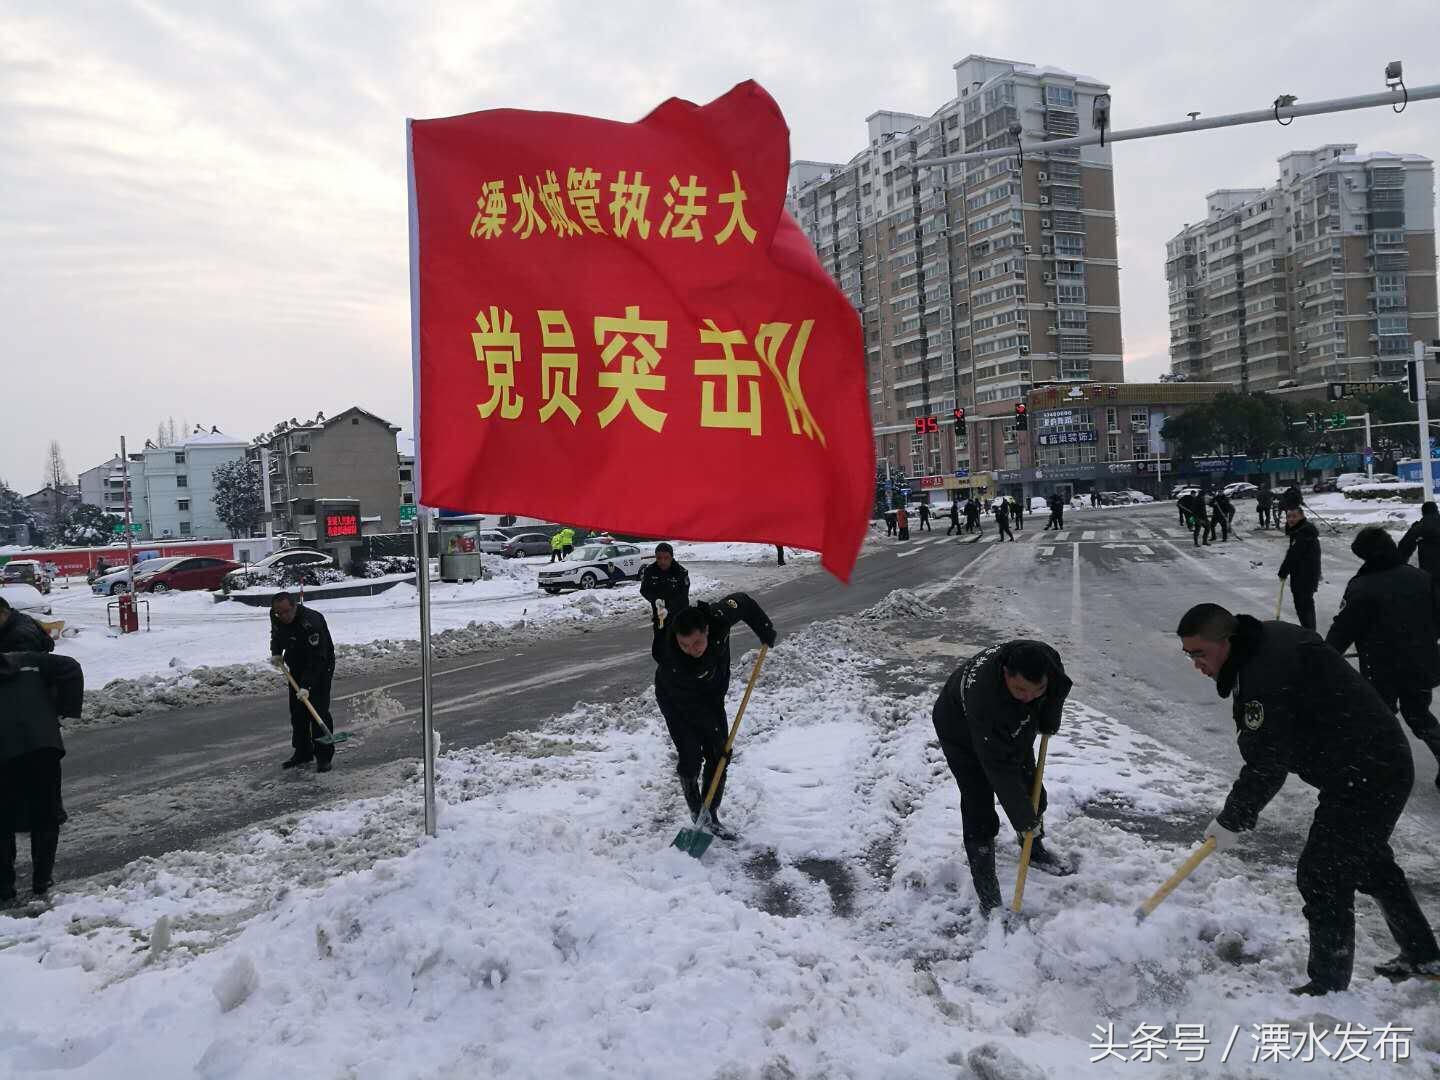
<point x="1186" y="869"/>
<point x="304" y="701"/>
<point x="1030" y="836"/>
<point x="734" y="730"/>
<point x="1280" y="601"/>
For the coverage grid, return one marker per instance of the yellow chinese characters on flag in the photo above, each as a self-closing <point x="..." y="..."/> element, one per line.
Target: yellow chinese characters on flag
<point x="618" y="326"/>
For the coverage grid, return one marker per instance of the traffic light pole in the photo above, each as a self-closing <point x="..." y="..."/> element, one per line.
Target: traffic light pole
<point x="1422" y="407"/>
<point x="1369" y="451"/>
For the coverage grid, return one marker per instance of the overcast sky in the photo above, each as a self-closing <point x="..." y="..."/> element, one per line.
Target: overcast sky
<point x="203" y="206"/>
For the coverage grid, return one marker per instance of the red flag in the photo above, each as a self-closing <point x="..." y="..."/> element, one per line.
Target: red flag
<point x="619" y="326"/>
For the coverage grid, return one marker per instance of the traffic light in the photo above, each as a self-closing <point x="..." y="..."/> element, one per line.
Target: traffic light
<point x="959" y="415"/>
<point x="1312" y="421"/>
<point x="1022" y="419"/>
<point x="1414" y="374"/>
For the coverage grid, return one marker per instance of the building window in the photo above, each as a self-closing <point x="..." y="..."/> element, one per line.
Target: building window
<point x="1060" y="95"/>
<point x="307" y="507"/>
<point x="184" y="528"/>
<point x="180" y="481"/>
<point x="405" y="475"/>
<point x="408" y="499"/>
<point x="182" y="504"/>
<point x="355" y="420"/>
<point x="179" y="459"/>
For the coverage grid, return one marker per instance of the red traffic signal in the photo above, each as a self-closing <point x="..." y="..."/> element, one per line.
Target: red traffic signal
<point x="1022" y="421"/>
<point x="1019" y="408"/>
<point x="959" y="415"/>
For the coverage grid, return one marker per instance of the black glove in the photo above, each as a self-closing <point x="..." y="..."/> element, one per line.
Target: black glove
<point x="1049" y="727"/>
<point x="770" y="638"/>
<point x="1281" y="575"/>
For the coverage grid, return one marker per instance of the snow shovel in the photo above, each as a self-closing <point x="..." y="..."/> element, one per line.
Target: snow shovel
<point x="1030" y="836"/>
<point x="1186" y="869"/>
<point x="695" y="840"/>
<point x="330" y="738"/>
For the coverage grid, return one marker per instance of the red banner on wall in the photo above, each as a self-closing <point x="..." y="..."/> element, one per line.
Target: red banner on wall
<point x="619" y="326"/>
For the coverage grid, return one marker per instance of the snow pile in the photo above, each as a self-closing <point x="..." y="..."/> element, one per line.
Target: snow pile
<point x="1392" y="492"/>
<point x="901" y="604"/>
<point x="551" y="931"/>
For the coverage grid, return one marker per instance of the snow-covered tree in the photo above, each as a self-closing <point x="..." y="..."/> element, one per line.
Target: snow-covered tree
<point x="238" y="498"/>
<point x="86" y="525"/>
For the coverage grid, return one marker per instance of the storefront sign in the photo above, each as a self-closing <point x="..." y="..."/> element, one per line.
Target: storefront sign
<point x="1066" y="438"/>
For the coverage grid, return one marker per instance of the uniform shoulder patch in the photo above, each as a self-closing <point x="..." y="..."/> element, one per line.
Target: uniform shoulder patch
<point x="314" y="638"/>
<point x="732" y="603"/>
<point x="1254" y="715"/>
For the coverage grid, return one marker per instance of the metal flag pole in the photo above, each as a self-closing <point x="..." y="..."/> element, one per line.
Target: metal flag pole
<point x="1422" y="407"/>
<point x="129" y="536"/>
<point x="422" y="512"/>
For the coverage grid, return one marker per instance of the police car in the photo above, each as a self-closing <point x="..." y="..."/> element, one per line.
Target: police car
<point x="594" y="565"/>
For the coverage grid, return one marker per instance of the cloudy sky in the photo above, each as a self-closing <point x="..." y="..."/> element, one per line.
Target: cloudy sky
<point x="204" y="209"/>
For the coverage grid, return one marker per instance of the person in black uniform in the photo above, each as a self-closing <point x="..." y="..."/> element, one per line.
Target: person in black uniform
<point x="954" y="528"/>
<point x="692" y="674"/>
<point x="986" y="718"/>
<point x="1390" y="611"/>
<point x="20" y="633"/>
<point x="925" y="518"/>
<point x="890" y="523"/>
<point x="1222" y="512"/>
<point x="972" y="516"/>
<point x="1424" y="537"/>
<point x="1192" y="512"/>
<point x="300" y="639"/>
<point x="36" y="690"/>
<point x="666" y="584"/>
<point x="1017" y="506"/>
<point x="1302" y="561"/>
<point x="1263" y="500"/>
<point x="1002" y="519"/>
<point x="1299" y="707"/>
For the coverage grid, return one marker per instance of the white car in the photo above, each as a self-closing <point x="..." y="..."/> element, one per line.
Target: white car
<point x="115" y="582"/>
<point x="1139" y="496"/>
<point x="593" y="565"/>
<point x="286" y="557"/>
<point x="1350" y="479"/>
<point x="26" y="598"/>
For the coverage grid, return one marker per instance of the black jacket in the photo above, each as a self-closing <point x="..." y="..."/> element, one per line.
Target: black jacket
<point x="21" y="633"/>
<point x="36" y="689"/>
<point x="306" y="646"/>
<point x="1424" y="535"/>
<point x="1390" y="612"/>
<point x="1002" y="511"/>
<point x="1263" y="498"/>
<point x="975" y="713"/>
<point x="1221" y="502"/>
<point x="1300" y="708"/>
<point x="704" y="680"/>
<point x="1302" y="561"/>
<point x="924" y="512"/>
<point x="672" y="586"/>
<point x="955" y="513"/>
<point x="1193" y="505"/>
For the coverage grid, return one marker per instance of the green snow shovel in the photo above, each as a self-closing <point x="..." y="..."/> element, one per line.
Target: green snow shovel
<point x="695" y="840"/>
<point x="330" y="738"/>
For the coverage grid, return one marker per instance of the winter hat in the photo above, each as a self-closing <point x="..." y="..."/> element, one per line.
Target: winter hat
<point x="1429" y="509"/>
<point x="1374" y="544"/>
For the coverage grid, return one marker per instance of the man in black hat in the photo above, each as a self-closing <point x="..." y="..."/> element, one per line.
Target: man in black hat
<point x="1301" y="566"/>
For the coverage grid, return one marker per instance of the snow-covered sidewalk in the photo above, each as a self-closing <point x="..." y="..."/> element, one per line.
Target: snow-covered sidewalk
<point x="551" y="931"/>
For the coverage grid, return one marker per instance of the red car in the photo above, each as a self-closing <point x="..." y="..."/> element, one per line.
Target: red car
<point x="197" y="573"/>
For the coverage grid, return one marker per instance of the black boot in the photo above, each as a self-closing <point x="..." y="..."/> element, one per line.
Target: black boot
<point x="43" y="845"/>
<point x="982" y="873"/>
<point x="295" y="759"/>
<point x="1312" y="989"/>
<point x="690" y="785"/>
<point x="1046" y="861"/>
<point x="718" y="827"/>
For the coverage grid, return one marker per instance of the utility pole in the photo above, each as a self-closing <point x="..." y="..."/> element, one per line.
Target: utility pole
<point x="265" y="494"/>
<point x="129" y="543"/>
<point x="1369" y="450"/>
<point x="1422" y="408"/>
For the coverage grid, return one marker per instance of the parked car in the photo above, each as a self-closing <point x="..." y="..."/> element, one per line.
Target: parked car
<point x="1320" y="487"/>
<point x="26" y="572"/>
<point x="1384" y="478"/>
<point x="1139" y="496"/>
<point x="114" y="582"/>
<point x="1240" y="490"/>
<point x="26" y="598"/>
<point x="1350" y="479"/>
<point x="280" y="560"/>
<point x="590" y="566"/>
<point x="1181" y="490"/>
<point x="201" y="572"/>
<point x="492" y="541"/>
<point x="531" y="543"/>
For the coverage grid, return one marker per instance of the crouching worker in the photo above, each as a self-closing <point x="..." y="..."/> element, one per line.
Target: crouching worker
<point x="692" y="675"/>
<point x="987" y="718"/>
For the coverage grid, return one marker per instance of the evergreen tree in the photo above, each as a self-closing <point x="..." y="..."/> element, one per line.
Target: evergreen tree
<point x="238" y="498"/>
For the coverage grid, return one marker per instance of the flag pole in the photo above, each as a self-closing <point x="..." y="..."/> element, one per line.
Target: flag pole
<point x="422" y="512"/>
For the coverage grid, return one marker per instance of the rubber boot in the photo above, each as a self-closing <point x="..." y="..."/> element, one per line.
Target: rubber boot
<point x="690" y="785"/>
<point x="43" y="845"/>
<point x="982" y="873"/>
<point x="1046" y="861"/>
<point x="296" y="759"/>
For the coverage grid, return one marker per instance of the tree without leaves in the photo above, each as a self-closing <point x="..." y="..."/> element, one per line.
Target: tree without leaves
<point x="56" y="474"/>
<point x="238" y="498"/>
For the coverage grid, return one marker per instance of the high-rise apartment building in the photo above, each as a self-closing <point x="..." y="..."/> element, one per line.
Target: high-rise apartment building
<point x="1326" y="277"/>
<point x="974" y="283"/>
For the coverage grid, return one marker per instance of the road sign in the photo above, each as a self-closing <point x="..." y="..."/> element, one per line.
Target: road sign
<point x="119" y="529"/>
<point x="407" y="513"/>
<point x="961" y="474"/>
<point x="1369" y="457"/>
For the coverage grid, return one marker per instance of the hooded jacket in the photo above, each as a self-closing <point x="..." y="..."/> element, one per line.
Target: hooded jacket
<point x="1390" y="612"/>
<point x="1300" y="708"/>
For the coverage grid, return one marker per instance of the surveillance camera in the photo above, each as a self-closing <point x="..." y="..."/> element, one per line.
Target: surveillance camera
<point x="1393" y="72"/>
<point x="1015" y="130"/>
<point x="1100" y="111"/>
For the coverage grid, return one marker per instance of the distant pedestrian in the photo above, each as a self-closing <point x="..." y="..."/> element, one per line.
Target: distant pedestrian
<point x="954" y="518"/>
<point x="36" y="690"/>
<point x="925" y="518"/>
<point x="1264" y="498"/>
<point x="902" y="523"/>
<point x="557" y="546"/>
<point x="1302" y="561"/>
<point x="1002" y="519"/>
<point x="1057" y="512"/>
<point x="779" y="555"/>
<point x="567" y="539"/>
<point x="890" y="529"/>
<point x="1424" y="537"/>
<point x="300" y="640"/>
<point x="666" y="584"/>
<point x="1222" y="510"/>
<point x="1193" y="516"/>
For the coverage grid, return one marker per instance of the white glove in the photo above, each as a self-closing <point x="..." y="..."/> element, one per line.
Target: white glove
<point x="660" y="612"/>
<point x="1223" y="837"/>
<point x="303" y="695"/>
<point x="277" y="660"/>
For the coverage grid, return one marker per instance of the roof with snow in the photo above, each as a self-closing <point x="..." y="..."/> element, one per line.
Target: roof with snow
<point x="213" y="437"/>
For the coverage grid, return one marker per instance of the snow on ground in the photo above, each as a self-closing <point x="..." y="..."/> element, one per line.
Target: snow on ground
<point x="551" y="931"/>
<point x="198" y="650"/>
<point x="1392" y="513"/>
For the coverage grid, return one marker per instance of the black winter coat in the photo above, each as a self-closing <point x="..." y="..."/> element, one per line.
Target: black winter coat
<point x="1300" y="708"/>
<point x="1424" y="535"/>
<point x="1193" y="505"/>
<point x="671" y="586"/>
<point x="1302" y="560"/>
<point x="36" y="689"/>
<point x="688" y="680"/>
<point x="975" y="710"/>
<point x="306" y="646"/>
<point x="21" y="633"/>
<point x="1390" y="612"/>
